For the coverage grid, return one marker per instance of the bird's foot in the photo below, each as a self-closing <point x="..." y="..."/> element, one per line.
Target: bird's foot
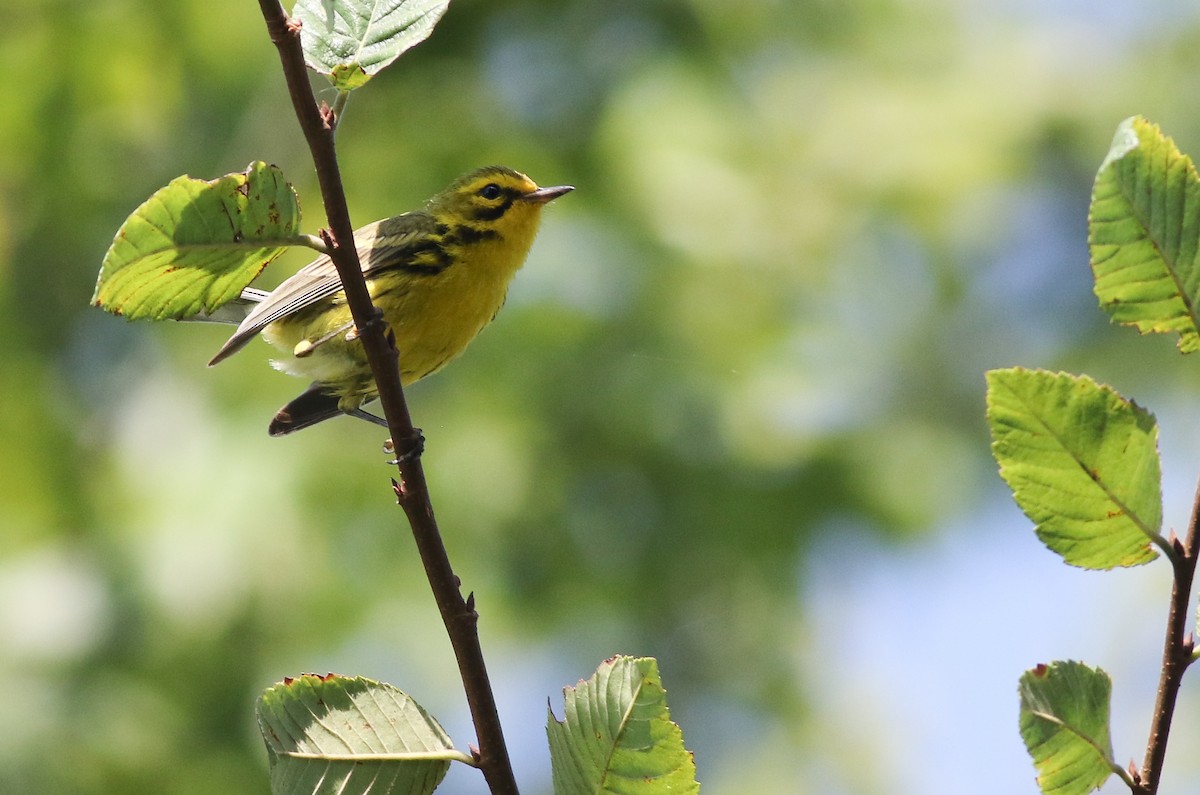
<point x="415" y="447"/>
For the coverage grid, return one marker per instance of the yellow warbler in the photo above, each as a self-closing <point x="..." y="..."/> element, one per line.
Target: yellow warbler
<point x="439" y="275"/>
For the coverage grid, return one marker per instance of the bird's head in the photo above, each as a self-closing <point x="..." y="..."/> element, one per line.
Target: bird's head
<point x="495" y="203"/>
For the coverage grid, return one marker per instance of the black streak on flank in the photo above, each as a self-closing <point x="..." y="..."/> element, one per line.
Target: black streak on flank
<point x="424" y="258"/>
<point x="426" y="268"/>
<point x="466" y="235"/>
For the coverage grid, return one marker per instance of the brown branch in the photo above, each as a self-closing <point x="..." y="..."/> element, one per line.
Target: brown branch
<point x="458" y="613"/>
<point x="1177" y="655"/>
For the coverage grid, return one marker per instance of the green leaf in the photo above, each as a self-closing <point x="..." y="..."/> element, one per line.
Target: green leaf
<point x="1064" y="723"/>
<point x="1082" y="463"/>
<point x="347" y="77"/>
<point x="194" y="244"/>
<point x="332" y="734"/>
<point x="1143" y="231"/>
<point x="617" y="735"/>
<point x="351" y="40"/>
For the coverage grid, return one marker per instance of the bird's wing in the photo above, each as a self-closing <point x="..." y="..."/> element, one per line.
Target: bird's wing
<point x="382" y="245"/>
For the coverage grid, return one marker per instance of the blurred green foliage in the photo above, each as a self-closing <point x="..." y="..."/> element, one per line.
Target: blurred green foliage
<point x="801" y="234"/>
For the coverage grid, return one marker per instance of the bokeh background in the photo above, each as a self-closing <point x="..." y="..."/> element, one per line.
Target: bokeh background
<point x="731" y="417"/>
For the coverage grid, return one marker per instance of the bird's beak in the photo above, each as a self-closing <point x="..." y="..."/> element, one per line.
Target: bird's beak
<point x="543" y="195"/>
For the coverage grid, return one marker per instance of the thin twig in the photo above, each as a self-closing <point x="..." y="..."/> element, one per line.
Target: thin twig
<point x="457" y="613"/>
<point x="1177" y="655"/>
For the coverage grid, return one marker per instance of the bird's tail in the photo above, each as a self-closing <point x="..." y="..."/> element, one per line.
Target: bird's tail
<point x="313" y="405"/>
<point x="233" y="312"/>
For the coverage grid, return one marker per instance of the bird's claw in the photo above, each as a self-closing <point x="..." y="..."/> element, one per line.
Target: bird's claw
<point x="416" y="446"/>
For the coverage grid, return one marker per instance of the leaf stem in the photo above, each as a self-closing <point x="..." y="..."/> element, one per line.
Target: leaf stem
<point x="339" y="108"/>
<point x="1167" y="548"/>
<point x="1123" y="774"/>
<point x="458" y="614"/>
<point x="308" y="241"/>
<point x="1178" y="654"/>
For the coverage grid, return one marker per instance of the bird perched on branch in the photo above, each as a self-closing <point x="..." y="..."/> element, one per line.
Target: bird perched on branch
<point x="438" y="275"/>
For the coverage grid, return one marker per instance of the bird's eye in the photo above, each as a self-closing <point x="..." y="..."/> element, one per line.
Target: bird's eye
<point x="490" y="191"/>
